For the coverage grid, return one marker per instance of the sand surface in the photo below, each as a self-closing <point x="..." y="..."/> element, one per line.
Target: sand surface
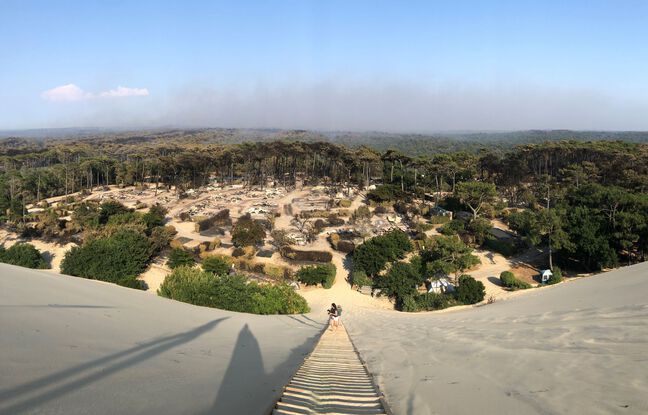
<point x="70" y="346"/>
<point x="75" y="346"/>
<point x="576" y="348"/>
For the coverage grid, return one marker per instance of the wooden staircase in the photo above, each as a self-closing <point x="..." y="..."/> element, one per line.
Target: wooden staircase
<point x="332" y="380"/>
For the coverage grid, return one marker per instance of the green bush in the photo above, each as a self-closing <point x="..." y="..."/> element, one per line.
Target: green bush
<point x="479" y="228"/>
<point x="345" y="203"/>
<point x="216" y="265"/>
<point x="317" y="274"/>
<point x="509" y="281"/>
<point x="111" y="208"/>
<point x="234" y="293"/>
<point x="470" y="291"/>
<point x="453" y="227"/>
<point x="119" y="258"/>
<point x="306" y="256"/>
<point x="155" y="216"/>
<point x="360" y="214"/>
<point x="386" y="193"/>
<point x="372" y="256"/>
<point x="399" y="283"/>
<point x="161" y="237"/>
<point x="247" y="232"/>
<point x="23" y="255"/>
<point x="359" y="278"/>
<point x="439" y="219"/>
<point x="434" y="301"/>
<point x="556" y="277"/>
<point x="180" y="257"/>
<point x="409" y="305"/>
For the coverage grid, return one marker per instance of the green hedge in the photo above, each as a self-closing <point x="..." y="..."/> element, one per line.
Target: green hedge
<point x="509" y="281"/>
<point x="317" y="274"/>
<point x="23" y="255"/>
<point x="216" y="265"/>
<point x="429" y="302"/>
<point x="180" y="257"/>
<point x="556" y="277"/>
<point x="439" y="219"/>
<point x="234" y="293"/>
<point x="306" y="256"/>
<point x="119" y="258"/>
<point x="372" y="255"/>
<point x="470" y="291"/>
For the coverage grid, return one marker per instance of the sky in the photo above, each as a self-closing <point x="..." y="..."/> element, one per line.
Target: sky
<point x="401" y="66"/>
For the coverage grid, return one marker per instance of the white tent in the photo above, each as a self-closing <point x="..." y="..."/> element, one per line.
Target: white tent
<point x="545" y="275"/>
<point x="442" y="285"/>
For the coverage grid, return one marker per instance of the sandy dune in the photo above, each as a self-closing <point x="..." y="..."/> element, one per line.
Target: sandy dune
<point x="70" y="346"/>
<point x="576" y="348"/>
<point x="75" y="346"/>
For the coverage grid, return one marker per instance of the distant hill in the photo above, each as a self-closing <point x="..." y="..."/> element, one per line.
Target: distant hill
<point x="409" y="143"/>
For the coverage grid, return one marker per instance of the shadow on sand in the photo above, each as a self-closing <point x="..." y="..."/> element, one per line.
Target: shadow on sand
<point x="40" y="391"/>
<point x="246" y="387"/>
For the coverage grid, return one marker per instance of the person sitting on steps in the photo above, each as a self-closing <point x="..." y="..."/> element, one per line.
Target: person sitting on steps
<point x="333" y="317"/>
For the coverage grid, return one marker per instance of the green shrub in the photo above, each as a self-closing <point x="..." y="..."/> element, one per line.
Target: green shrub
<point x="118" y="258"/>
<point x="360" y="214"/>
<point x="423" y="227"/>
<point x="155" y="216"/>
<point x="317" y="274"/>
<point x="399" y="283"/>
<point x="556" y="277"/>
<point x="434" y="301"/>
<point x="409" y="305"/>
<point x="276" y="272"/>
<point x="179" y="258"/>
<point x="345" y="203"/>
<point x="345" y="246"/>
<point x="23" y="255"/>
<point x="479" y="228"/>
<point x="306" y="256"/>
<point x="360" y="279"/>
<point x="372" y="256"/>
<point x="439" y="219"/>
<point x="232" y="293"/>
<point x="453" y="227"/>
<point x="161" y="237"/>
<point x="216" y="264"/>
<point x="509" y="281"/>
<point x="111" y="208"/>
<point x="386" y="193"/>
<point x="470" y="291"/>
<point x="247" y="232"/>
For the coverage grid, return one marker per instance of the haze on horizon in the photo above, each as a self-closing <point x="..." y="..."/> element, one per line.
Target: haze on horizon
<point x="384" y="66"/>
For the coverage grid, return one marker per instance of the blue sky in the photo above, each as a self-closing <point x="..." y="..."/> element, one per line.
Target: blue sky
<point x="359" y="65"/>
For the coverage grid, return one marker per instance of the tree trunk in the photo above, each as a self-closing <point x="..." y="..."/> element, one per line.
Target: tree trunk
<point x="550" y="255"/>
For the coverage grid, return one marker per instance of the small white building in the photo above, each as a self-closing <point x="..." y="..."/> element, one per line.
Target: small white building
<point x="545" y="275"/>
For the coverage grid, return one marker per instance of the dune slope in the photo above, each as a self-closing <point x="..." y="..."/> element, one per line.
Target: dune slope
<point x="580" y="348"/>
<point x="74" y="346"/>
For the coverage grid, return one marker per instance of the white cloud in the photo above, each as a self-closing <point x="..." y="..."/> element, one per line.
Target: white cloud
<point x="123" y="91"/>
<point x="71" y="92"/>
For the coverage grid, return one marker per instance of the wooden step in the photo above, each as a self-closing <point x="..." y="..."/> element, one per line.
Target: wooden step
<point x="332" y="380"/>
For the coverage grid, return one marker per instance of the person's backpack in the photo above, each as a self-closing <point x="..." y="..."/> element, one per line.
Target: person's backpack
<point x="339" y="310"/>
